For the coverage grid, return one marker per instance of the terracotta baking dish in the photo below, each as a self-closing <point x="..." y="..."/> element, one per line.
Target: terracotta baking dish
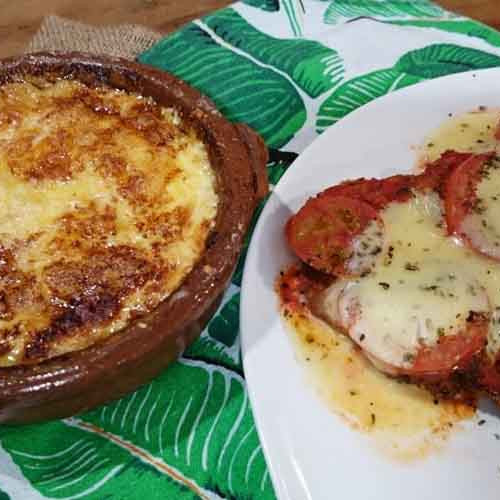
<point x="76" y="382"/>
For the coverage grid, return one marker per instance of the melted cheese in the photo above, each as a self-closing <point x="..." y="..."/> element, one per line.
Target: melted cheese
<point x="422" y="288"/>
<point x="467" y="132"/>
<point x="404" y="421"/>
<point x="394" y="307"/>
<point x="366" y="247"/>
<point x="482" y="224"/>
<point x="107" y="200"/>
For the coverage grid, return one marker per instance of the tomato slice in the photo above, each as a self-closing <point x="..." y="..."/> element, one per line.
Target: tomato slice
<point x="322" y="231"/>
<point x="460" y="190"/>
<point x="489" y="377"/>
<point x="397" y="347"/>
<point x="463" y="215"/>
<point x="435" y="173"/>
<point x="434" y="364"/>
<point x="377" y="192"/>
<point x="298" y="284"/>
<point x="452" y="352"/>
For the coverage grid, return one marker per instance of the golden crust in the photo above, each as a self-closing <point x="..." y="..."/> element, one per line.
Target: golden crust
<point x="110" y="199"/>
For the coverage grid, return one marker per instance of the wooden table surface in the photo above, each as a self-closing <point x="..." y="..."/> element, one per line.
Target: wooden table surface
<point x="19" y="19"/>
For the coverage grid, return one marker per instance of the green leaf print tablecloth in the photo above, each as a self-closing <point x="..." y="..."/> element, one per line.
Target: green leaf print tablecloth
<point x="290" y="69"/>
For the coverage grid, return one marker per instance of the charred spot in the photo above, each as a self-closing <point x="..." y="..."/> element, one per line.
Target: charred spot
<point x="477" y="317"/>
<point x="115" y="270"/>
<point x="301" y="282"/>
<point x="146" y="106"/>
<point x="88" y="310"/>
<point x="6" y="261"/>
<point x="412" y="266"/>
<point x="10" y="333"/>
<point x="145" y="118"/>
<point x="18" y="289"/>
<point x="404" y="193"/>
<point x="7" y="335"/>
<point x="5" y="347"/>
<point x="85" y="226"/>
<point x="211" y="239"/>
<point x="9" y="117"/>
<point x="110" y="165"/>
<point x="323" y="280"/>
<point x="47" y="159"/>
<point x="133" y="187"/>
<point x="167" y="225"/>
<point x="96" y="103"/>
<point x="5" y="312"/>
<point x="461" y="384"/>
<point x="81" y="312"/>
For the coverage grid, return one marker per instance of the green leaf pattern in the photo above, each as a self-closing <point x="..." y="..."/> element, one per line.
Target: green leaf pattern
<point x="294" y="10"/>
<point x="252" y="77"/>
<point x="243" y="90"/>
<point x="339" y="10"/>
<point x="224" y="327"/>
<point x="279" y="161"/>
<point x="312" y="66"/>
<point x="463" y="26"/>
<point x="219" y="342"/>
<point x="203" y="428"/>
<point x="444" y="59"/>
<point x="281" y="67"/>
<point x="355" y="93"/>
<point x="269" y="5"/>
<point x="430" y="62"/>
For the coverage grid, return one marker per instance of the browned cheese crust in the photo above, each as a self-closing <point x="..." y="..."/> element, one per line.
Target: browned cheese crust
<point x="107" y="202"/>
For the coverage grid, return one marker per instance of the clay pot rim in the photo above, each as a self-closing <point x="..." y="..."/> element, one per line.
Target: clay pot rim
<point x="238" y="157"/>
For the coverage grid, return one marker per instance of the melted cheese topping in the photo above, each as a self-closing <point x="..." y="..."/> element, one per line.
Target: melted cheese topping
<point x="404" y="420"/>
<point x="366" y="247"/>
<point x="107" y="201"/>
<point x="397" y="318"/>
<point x="468" y="132"/>
<point x="423" y="286"/>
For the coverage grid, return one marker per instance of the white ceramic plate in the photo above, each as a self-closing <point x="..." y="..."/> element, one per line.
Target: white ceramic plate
<point x="312" y="453"/>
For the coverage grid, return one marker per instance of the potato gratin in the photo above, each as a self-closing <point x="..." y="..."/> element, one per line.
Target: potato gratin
<point x="107" y="200"/>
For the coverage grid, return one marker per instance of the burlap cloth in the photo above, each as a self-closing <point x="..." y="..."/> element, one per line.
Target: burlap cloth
<point x="123" y="40"/>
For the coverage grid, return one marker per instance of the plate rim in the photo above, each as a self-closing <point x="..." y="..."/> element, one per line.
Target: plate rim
<point x="278" y="482"/>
